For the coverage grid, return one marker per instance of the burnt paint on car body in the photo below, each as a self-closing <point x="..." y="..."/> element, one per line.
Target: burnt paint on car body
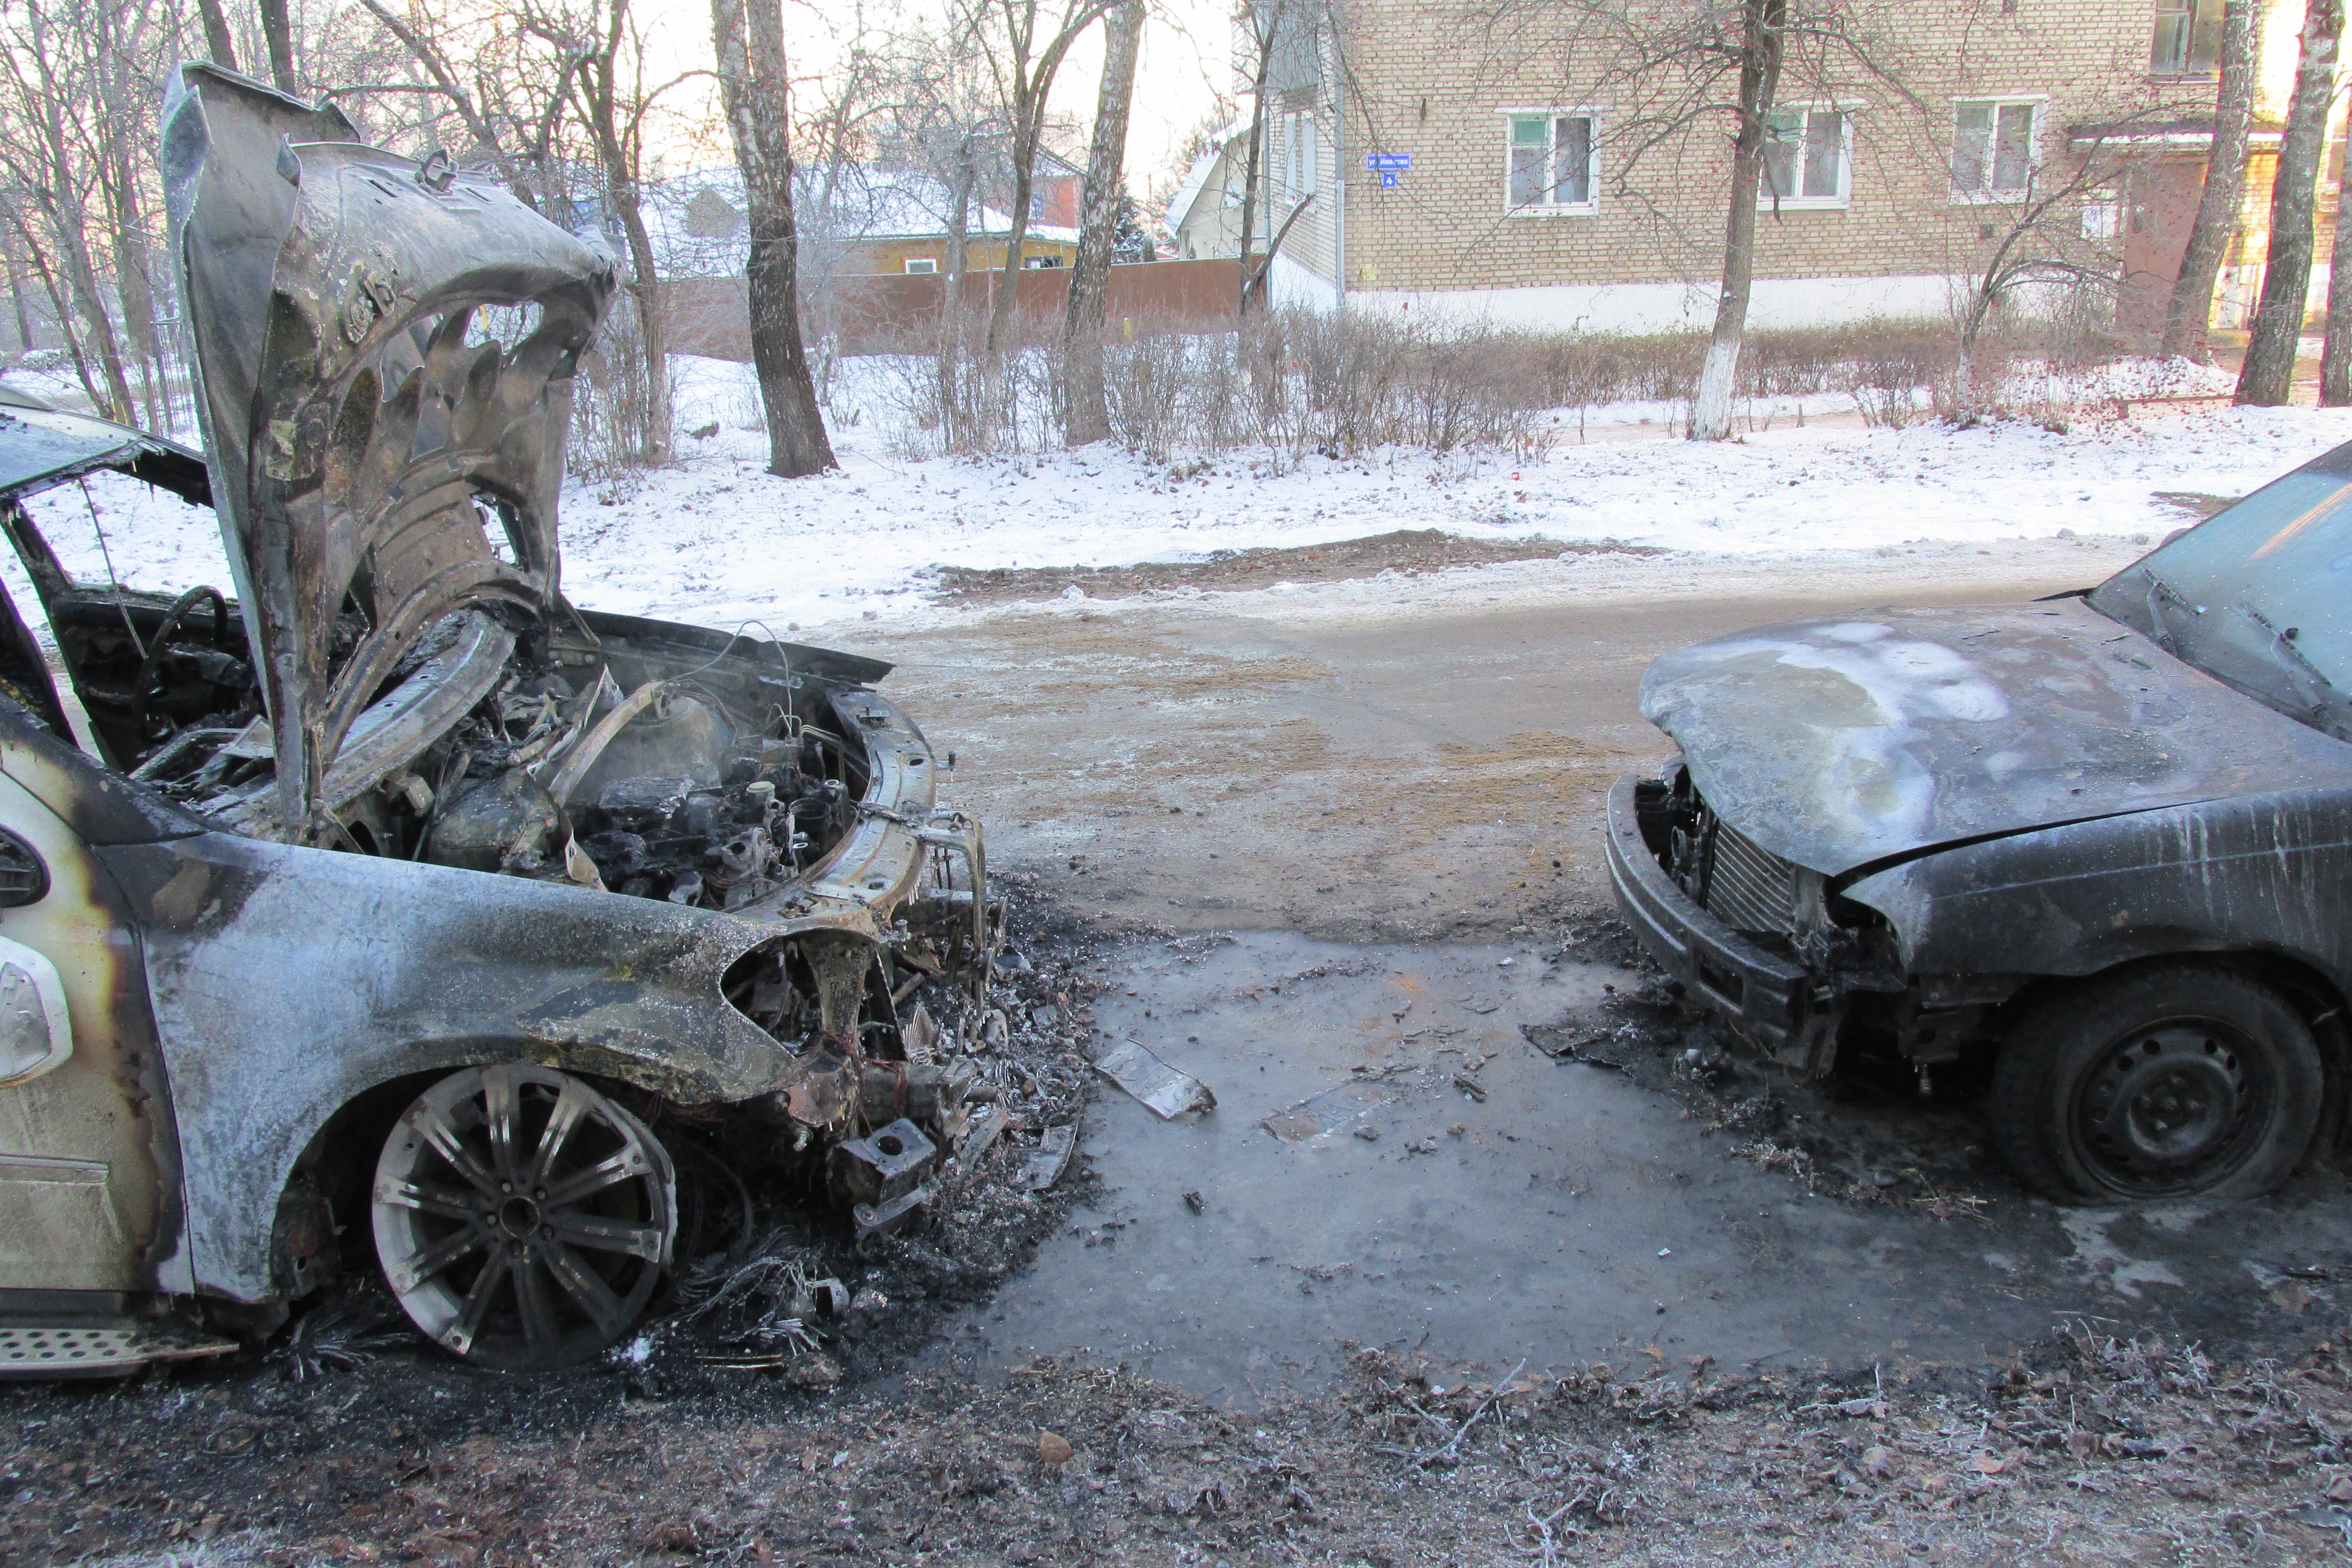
<point x="2265" y="873"/>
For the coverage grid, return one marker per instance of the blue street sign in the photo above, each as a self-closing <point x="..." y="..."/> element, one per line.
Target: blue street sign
<point x="1388" y="179"/>
<point x="1387" y="163"/>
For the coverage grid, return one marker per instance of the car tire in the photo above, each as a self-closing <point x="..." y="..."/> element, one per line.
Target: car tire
<point x="2166" y="1080"/>
<point x="523" y="1219"/>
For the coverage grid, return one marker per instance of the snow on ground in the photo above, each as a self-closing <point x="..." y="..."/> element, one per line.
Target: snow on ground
<point x="714" y="539"/>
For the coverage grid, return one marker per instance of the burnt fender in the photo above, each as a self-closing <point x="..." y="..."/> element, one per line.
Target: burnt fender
<point x="2261" y="874"/>
<point x="286" y="981"/>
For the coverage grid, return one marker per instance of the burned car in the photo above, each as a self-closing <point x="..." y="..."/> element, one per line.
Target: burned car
<point x="2103" y="841"/>
<point x="393" y="902"/>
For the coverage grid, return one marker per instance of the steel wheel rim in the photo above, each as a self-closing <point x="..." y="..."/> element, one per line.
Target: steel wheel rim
<point x="523" y="1219"/>
<point x="2171" y="1107"/>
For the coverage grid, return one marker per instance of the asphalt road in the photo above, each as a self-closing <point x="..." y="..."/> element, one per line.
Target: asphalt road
<point x="1379" y="793"/>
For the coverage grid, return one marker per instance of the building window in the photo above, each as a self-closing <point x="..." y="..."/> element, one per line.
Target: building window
<point x="1808" y="156"/>
<point x="922" y="264"/>
<point x="1551" y="164"/>
<point x="1298" y="168"/>
<point x="2103" y="213"/>
<point x="2187" y="38"/>
<point x="1994" y="149"/>
<point x="1036" y="206"/>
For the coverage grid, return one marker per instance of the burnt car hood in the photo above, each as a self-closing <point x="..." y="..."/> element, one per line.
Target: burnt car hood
<point x="1844" y="742"/>
<point x="366" y="436"/>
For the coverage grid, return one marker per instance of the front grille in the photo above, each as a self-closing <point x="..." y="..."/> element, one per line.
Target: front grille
<point x="1748" y="887"/>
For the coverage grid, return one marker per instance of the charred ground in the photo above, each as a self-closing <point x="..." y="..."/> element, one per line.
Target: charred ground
<point x="890" y="1444"/>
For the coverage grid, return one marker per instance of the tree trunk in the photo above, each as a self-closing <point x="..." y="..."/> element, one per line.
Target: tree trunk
<point x="16" y="298"/>
<point x="217" y="41"/>
<point x="600" y="90"/>
<point x="754" y="85"/>
<point x="2336" y="349"/>
<point x="278" y="33"/>
<point x="2191" y="308"/>
<point x="1027" y="112"/>
<point x="1762" y="22"/>
<point x="1251" y="159"/>
<point x="1087" y="417"/>
<point x="2268" y="375"/>
<point x="954" y="425"/>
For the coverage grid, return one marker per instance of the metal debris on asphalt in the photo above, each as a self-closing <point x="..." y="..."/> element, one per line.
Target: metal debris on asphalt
<point x="1166" y="1092"/>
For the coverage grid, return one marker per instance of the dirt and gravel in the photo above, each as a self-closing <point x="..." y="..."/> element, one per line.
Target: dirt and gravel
<point x="1406" y="551"/>
<point x="1419" y="774"/>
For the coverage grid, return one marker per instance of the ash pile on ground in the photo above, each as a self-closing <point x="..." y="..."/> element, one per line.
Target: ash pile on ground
<point x="777" y="1284"/>
<point x="1871" y="1133"/>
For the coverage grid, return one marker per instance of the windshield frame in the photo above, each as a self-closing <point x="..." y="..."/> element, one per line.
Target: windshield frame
<point x="2235" y="641"/>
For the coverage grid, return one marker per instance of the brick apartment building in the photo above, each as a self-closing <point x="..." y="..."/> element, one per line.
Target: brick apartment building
<point x="1477" y="159"/>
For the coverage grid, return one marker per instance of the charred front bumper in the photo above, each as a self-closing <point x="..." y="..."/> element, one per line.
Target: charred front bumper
<point x="1761" y="994"/>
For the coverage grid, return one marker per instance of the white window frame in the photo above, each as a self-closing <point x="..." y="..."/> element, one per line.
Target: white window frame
<point x="921" y="266"/>
<point x="2102" y="214"/>
<point x="1999" y="195"/>
<point x="1767" y="202"/>
<point x="1591" y="114"/>
<point x="1300" y="155"/>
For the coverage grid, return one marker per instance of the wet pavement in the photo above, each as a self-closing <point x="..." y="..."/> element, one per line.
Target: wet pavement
<point x="1432" y="1180"/>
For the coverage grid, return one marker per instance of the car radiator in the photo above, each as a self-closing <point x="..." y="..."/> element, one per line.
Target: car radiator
<point x="1748" y="887"/>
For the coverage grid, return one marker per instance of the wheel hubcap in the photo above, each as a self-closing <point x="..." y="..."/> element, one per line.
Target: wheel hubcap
<point x="522" y="1218"/>
<point x="2169" y="1108"/>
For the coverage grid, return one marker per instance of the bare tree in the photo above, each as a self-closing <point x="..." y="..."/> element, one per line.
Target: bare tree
<point x="2336" y="348"/>
<point x="1023" y="48"/>
<point x="48" y="156"/>
<point x="2266" y="379"/>
<point x="513" y="128"/>
<point x="218" y="43"/>
<point x="1759" y="43"/>
<point x="1686" y="78"/>
<point x="2191" y="308"/>
<point x="1263" y="19"/>
<point x="754" y="82"/>
<point x="2042" y="240"/>
<point x="277" y="33"/>
<point x="610" y="102"/>
<point x="1086" y="415"/>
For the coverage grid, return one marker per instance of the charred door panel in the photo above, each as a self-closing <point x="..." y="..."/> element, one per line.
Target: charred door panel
<point x="87" y="1198"/>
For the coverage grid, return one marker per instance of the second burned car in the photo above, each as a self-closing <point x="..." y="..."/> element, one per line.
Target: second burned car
<point x="2105" y="839"/>
<point x="394" y="900"/>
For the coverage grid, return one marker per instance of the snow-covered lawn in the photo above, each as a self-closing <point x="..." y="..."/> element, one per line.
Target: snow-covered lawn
<point x="714" y="539"/>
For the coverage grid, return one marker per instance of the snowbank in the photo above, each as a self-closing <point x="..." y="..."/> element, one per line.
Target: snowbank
<point x="714" y="539"/>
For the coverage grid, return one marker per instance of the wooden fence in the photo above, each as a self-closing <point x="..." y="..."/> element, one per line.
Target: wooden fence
<point x="900" y="313"/>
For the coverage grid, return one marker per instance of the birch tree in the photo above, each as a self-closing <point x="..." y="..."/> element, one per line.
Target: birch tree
<point x="1086" y="415"/>
<point x="2267" y="376"/>
<point x="1759" y="45"/>
<point x="1022" y="45"/>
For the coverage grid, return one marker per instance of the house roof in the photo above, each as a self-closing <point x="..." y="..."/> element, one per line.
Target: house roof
<point x="1196" y="178"/>
<point x="846" y="202"/>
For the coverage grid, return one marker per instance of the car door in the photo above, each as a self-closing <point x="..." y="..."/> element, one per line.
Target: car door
<point x="80" y="1192"/>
